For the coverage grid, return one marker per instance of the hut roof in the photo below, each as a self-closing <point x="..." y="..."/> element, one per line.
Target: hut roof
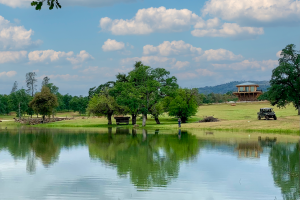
<point x="247" y="83"/>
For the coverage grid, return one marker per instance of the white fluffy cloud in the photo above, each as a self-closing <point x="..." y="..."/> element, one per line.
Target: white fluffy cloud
<point x="278" y="54"/>
<point x="210" y="23"/>
<point x="152" y="20"/>
<point x="15" y="37"/>
<point x="218" y="54"/>
<point x="8" y="74"/>
<point x="255" y="11"/>
<point x="12" y="56"/>
<point x="172" y="48"/>
<point x="80" y="58"/>
<point x="148" y="60"/>
<point x="246" y="64"/>
<point x="51" y="55"/>
<point x="181" y="64"/>
<point x="89" y="3"/>
<point x="229" y="30"/>
<point x="112" y="45"/>
<point x="47" y="55"/>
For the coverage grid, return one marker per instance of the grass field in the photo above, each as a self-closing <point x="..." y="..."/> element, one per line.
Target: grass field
<point x="241" y="117"/>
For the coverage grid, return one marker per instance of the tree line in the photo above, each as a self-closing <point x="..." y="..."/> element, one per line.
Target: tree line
<point x="143" y="91"/>
<point x="18" y="100"/>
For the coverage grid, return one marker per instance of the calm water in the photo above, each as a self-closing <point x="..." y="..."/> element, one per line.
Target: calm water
<point x="54" y="164"/>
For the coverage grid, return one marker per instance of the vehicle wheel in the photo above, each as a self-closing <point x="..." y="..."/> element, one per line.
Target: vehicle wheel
<point x="259" y="118"/>
<point x="267" y="117"/>
<point x="275" y="118"/>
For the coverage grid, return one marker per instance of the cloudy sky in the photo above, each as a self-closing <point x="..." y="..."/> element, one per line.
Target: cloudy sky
<point x="87" y="42"/>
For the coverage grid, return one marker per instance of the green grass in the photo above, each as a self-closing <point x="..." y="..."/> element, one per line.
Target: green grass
<point x="242" y="117"/>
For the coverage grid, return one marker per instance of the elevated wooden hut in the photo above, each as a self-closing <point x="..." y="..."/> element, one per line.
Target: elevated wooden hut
<point x="247" y="92"/>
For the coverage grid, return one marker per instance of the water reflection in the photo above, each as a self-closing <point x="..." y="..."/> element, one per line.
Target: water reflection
<point x="150" y="159"/>
<point x="284" y="160"/>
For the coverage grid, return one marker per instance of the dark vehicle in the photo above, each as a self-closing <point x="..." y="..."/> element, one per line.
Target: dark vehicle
<point x="266" y="113"/>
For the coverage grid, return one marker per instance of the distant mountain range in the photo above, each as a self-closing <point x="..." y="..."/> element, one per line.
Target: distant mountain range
<point x="231" y="86"/>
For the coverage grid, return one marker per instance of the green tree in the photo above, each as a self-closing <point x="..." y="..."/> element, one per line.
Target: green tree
<point x="143" y="88"/>
<point x="51" y="3"/>
<point x="183" y="105"/>
<point x="4" y="104"/>
<point x="97" y="90"/>
<point x="156" y="110"/>
<point x="66" y="99"/>
<point x="18" y="101"/>
<point x="285" y="81"/>
<point x="104" y="105"/>
<point x="61" y="102"/>
<point x="79" y="104"/>
<point x="44" y="102"/>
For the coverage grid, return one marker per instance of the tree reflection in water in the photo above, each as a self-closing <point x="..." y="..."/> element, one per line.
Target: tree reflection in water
<point x="43" y="145"/>
<point x="150" y="160"/>
<point x="284" y="160"/>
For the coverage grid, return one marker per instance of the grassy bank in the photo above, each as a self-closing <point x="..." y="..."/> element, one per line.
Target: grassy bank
<point x="241" y="117"/>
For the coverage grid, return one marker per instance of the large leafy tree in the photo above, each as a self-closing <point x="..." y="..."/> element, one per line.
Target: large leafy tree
<point x="183" y="104"/>
<point x="97" y="90"/>
<point x="44" y="102"/>
<point x="127" y="95"/>
<point x="104" y="105"/>
<point x="285" y="81"/>
<point x="143" y="89"/>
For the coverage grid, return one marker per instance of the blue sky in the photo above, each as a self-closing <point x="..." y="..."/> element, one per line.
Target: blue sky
<point x="87" y="42"/>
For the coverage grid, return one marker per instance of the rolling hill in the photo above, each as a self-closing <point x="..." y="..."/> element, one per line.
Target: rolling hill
<point x="231" y="86"/>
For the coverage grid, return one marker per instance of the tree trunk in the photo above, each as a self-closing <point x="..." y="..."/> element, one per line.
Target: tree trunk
<point x="299" y="111"/>
<point x="134" y="132"/>
<point x="43" y="118"/>
<point x="183" y="119"/>
<point x="144" y="120"/>
<point x="133" y="119"/>
<point x="109" y="119"/>
<point x="144" y="135"/>
<point x="109" y="130"/>
<point x="157" y="120"/>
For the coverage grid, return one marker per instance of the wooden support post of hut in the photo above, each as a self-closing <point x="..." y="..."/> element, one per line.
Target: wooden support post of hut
<point x="248" y="92"/>
<point x="120" y="120"/>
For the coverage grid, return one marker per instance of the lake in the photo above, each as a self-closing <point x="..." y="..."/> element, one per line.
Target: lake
<point x="117" y="164"/>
